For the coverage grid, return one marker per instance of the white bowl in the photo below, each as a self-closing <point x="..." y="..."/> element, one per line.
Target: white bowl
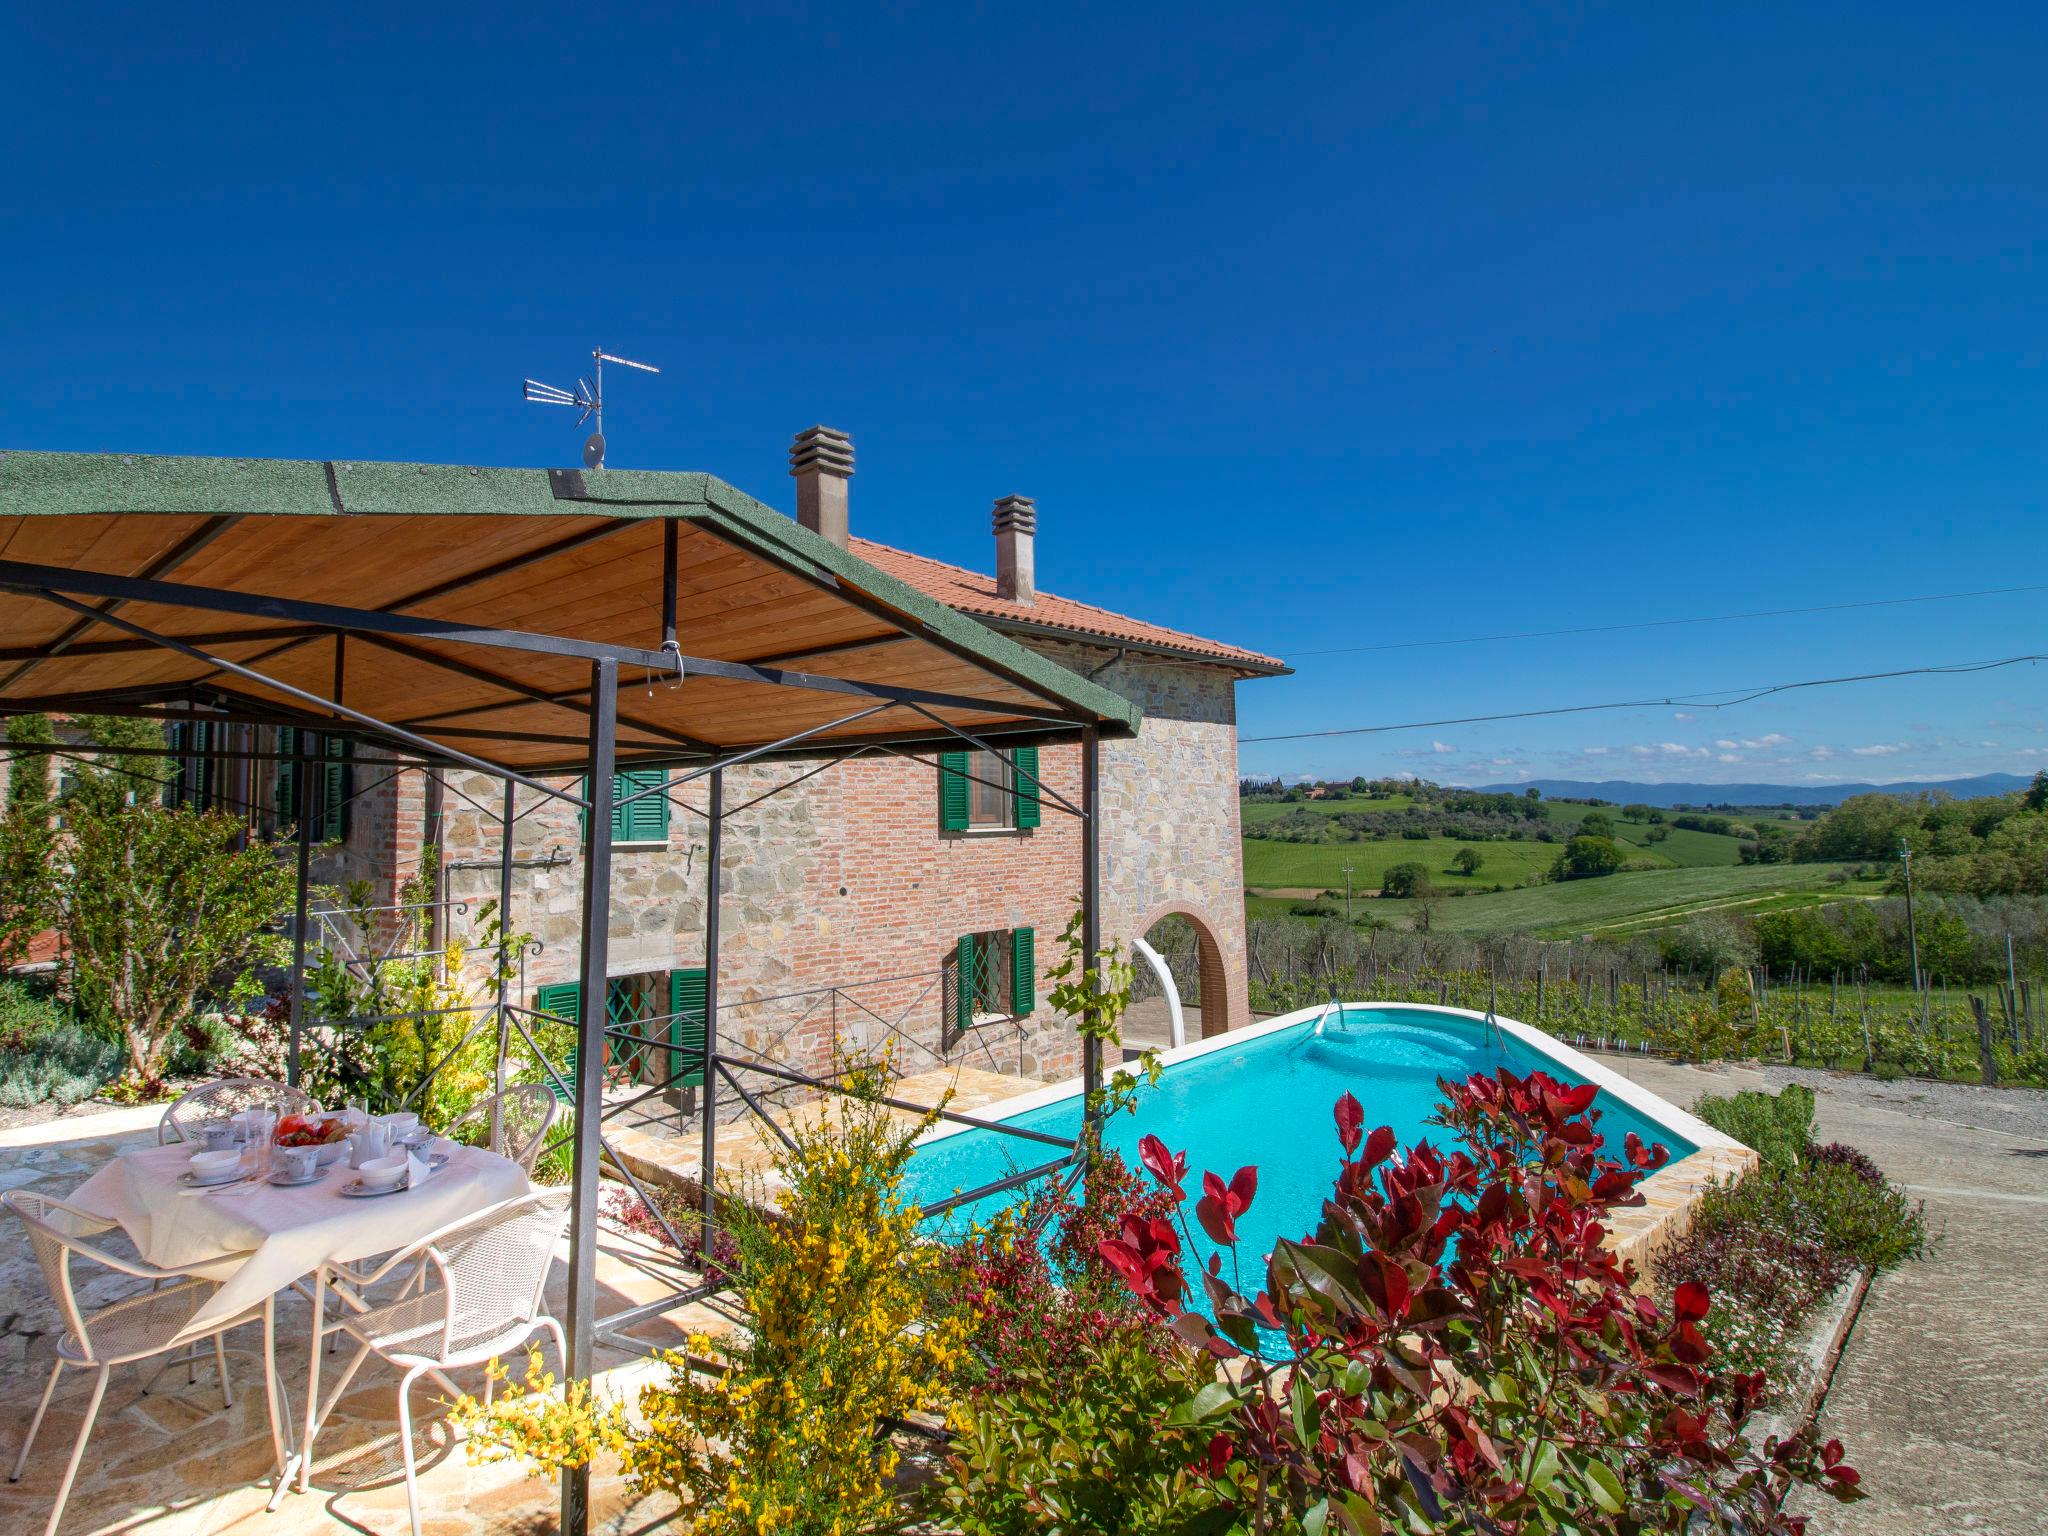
<point x="333" y="1151"/>
<point x="382" y="1172"/>
<point x="215" y="1165"/>
<point x="403" y="1122"/>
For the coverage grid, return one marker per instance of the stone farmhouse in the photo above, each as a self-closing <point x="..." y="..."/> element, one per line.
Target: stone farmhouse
<point x="885" y="900"/>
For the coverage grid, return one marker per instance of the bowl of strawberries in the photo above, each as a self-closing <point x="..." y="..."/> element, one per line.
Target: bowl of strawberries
<point x="327" y="1132"/>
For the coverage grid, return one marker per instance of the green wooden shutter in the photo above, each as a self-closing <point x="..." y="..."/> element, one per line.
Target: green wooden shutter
<point x="1025" y="804"/>
<point x="644" y="820"/>
<point x="686" y="1000"/>
<point x="963" y="990"/>
<point x="953" y="791"/>
<point x="564" y="1000"/>
<point x="284" y="796"/>
<point x="334" y="790"/>
<point x="1023" y="970"/>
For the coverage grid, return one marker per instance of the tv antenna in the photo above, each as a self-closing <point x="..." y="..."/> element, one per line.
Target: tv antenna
<point x="587" y="397"/>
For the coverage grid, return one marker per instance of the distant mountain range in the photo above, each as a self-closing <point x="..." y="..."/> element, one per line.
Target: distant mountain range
<point x="1625" y="792"/>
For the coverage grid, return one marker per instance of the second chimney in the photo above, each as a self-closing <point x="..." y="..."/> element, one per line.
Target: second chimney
<point x="821" y="459"/>
<point x="1016" y="524"/>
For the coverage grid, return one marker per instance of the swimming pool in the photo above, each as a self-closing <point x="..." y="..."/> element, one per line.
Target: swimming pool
<point x="1264" y="1096"/>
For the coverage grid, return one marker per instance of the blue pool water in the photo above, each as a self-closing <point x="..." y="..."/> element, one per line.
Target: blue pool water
<point x="1269" y="1102"/>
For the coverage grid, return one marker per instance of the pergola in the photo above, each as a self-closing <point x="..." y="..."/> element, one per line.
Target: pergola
<point x="451" y="616"/>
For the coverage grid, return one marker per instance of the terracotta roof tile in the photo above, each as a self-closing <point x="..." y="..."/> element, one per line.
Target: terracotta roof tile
<point x="973" y="593"/>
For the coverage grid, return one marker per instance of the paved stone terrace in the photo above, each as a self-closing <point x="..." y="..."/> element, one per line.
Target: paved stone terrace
<point x="656" y="1147"/>
<point x="172" y="1462"/>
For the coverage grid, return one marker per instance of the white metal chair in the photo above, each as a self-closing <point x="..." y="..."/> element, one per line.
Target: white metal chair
<point x="514" y="1123"/>
<point x="477" y="1292"/>
<point x="134" y="1328"/>
<point x="211" y="1103"/>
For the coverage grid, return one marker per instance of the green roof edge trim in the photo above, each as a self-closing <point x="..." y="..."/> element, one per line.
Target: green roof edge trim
<point x="34" y="484"/>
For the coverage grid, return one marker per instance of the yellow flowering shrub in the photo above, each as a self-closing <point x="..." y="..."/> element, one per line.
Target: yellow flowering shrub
<point x="842" y="1342"/>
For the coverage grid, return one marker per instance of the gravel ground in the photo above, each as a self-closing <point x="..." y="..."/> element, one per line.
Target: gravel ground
<point x="2013" y="1111"/>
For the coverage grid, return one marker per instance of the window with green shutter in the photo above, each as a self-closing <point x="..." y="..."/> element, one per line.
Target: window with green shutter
<point x="992" y="975"/>
<point x="333" y="782"/>
<point x="642" y="820"/>
<point x="987" y="790"/>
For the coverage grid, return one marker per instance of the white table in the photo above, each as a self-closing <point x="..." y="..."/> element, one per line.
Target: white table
<point x="267" y="1238"/>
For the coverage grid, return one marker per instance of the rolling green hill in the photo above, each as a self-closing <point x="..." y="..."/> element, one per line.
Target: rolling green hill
<point x="1618" y="905"/>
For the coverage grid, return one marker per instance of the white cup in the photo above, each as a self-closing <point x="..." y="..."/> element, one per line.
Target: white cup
<point x="299" y="1162"/>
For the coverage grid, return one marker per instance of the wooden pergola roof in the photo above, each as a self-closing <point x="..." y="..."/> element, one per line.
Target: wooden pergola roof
<point x="466" y="606"/>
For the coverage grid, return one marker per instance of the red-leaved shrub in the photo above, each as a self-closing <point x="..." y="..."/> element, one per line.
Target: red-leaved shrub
<point x="1455" y="1349"/>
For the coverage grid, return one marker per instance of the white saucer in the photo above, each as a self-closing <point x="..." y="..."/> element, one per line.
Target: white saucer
<point x="354" y="1190"/>
<point x="192" y="1181"/>
<point x="282" y="1182"/>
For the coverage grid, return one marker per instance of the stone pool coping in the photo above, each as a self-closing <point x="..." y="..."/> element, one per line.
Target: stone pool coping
<point x="1638" y="1233"/>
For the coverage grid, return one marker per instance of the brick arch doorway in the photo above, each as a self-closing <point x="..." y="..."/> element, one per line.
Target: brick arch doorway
<point x="1187" y="941"/>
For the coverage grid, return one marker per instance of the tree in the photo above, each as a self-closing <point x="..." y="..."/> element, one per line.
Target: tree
<point x="1586" y="857"/>
<point x="1635" y="811"/>
<point x="2036" y="797"/>
<point x="160" y="905"/>
<point x="1597" y="824"/>
<point x="28" y="876"/>
<point x="1532" y="793"/>
<point x="1861" y="827"/>
<point x="1406" y="879"/>
<point x="28" y="775"/>
<point x="1466" y="861"/>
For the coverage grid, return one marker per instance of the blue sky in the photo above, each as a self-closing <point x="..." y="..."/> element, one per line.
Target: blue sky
<point x="1308" y="328"/>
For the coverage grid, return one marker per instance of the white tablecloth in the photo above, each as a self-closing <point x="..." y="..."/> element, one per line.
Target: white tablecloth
<point x="266" y="1237"/>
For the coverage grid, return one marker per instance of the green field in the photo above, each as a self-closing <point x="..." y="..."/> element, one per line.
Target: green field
<point x="1253" y="812"/>
<point x="1619" y="905"/>
<point x="1297" y="866"/>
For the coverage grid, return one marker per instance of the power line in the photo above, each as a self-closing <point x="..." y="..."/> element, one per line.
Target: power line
<point x="1716" y="618"/>
<point x="1706" y="699"/>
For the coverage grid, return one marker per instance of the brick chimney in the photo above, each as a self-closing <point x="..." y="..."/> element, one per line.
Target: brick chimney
<point x="1016" y="524"/>
<point x="821" y="459"/>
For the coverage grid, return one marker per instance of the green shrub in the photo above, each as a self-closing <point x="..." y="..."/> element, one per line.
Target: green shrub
<point x="1777" y="1127"/>
<point x="64" y="1065"/>
<point x="1087" y="1444"/>
<point x="1830" y="1204"/>
<point x="27" y="1013"/>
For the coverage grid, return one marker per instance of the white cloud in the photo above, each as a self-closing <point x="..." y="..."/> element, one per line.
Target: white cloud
<point x="1441" y="747"/>
<point x="1731" y="757"/>
<point x="1879" y="749"/>
<point x="1820" y="755"/>
<point x="1593" y="751"/>
<point x="1685" y="715"/>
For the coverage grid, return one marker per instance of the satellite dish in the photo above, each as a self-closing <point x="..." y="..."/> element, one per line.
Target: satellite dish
<point x="593" y="451"/>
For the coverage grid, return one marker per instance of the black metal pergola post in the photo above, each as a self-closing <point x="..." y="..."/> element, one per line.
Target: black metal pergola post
<point x="589" y="1074"/>
<point x="714" y="857"/>
<point x="302" y="788"/>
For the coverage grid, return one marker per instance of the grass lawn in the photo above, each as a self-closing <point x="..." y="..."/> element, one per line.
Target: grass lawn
<point x="1293" y="866"/>
<point x="1619" y="905"/>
